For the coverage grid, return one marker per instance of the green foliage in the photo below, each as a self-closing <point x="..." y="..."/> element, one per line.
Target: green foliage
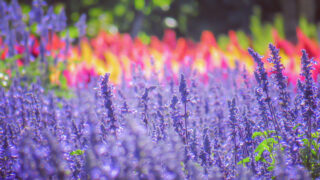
<point x="144" y="37"/>
<point x="264" y="134"/>
<point x="279" y="25"/>
<point x="77" y="152"/>
<point x="73" y="32"/>
<point x="268" y="144"/>
<point x="139" y="4"/>
<point x="58" y="8"/>
<point x="119" y="16"/>
<point x="223" y="41"/>
<point x="89" y="2"/>
<point x="9" y="68"/>
<point x="75" y="16"/>
<point x="296" y="126"/>
<point x="95" y="12"/>
<point x="307" y="28"/>
<point x="61" y="89"/>
<point x="162" y="3"/>
<point x="310" y="155"/>
<point x="147" y="8"/>
<point x="244" y="161"/>
<point x="243" y="39"/>
<point x="120" y="10"/>
<point x="25" y="9"/>
<point x="184" y="168"/>
<point x="261" y="33"/>
<point x="33" y="72"/>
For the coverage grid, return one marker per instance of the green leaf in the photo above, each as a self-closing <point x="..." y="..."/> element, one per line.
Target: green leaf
<point x="25" y="9"/>
<point x="270" y="168"/>
<point x="77" y="152"/>
<point x="315" y="135"/>
<point x="243" y="39"/>
<point x="61" y="66"/>
<point x="147" y="10"/>
<point x="314" y="143"/>
<point x="120" y="9"/>
<point x="272" y="141"/>
<point x="95" y="12"/>
<point x="268" y="133"/>
<point x="313" y="152"/>
<point x="256" y="134"/>
<point x="223" y="41"/>
<point x="162" y="3"/>
<point x="305" y="141"/>
<point x="63" y="81"/>
<point x="88" y="2"/>
<point x="296" y="126"/>
<point x="14" y="58"/>
<point x="182" y="166"/>
<point x="33" y="28"/>
<point x="139" y="4"/>
<point x="2" y="65"/>
<point x="73" y="32"/>
<point x="244" y="161"/>
<point x="279" y="25"/>
<point x="58" y="8"/>
<point x="260" y="158"/>
<point x="144" y="37"/>
<point x="59" y="105"/>
<point x="262" y="147"/>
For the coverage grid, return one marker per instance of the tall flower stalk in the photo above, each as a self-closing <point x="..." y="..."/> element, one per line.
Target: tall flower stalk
<point x="106" y="92"/>
<point x="308" y="102"/>
<point x="184" y="99"/>
<point x="262" y="79"/>
<point x="281" y="82"/>
<point x="233" y="124"/>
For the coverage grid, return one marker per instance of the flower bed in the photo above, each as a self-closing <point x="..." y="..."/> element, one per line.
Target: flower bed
<point x="171" y="109"/>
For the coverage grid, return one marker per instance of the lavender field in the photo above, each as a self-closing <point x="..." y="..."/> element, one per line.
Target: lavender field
<point x="229" y="124"/>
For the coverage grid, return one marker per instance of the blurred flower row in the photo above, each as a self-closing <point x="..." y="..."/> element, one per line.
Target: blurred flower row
<point x="116" y="53"/>
<point x="40" y="37"/>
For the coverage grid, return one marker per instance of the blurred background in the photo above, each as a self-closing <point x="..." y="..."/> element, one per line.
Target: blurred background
<point x="217" y="33"/>
<point x="189" y="18"/>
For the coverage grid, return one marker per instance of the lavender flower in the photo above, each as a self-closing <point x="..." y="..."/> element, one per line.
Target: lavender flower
<point x="184" y="99"/>
<point x="233" y="123"/>
<point x="107" y="95"/>
<point x="145" y="98"/>
<point x="279" y="77"/>
<point x="308" y="101"/>
<point x="61" y="21"/>
<point x="4" y="25"/>
<point x="262" y="79"/>
<point x="36" y="14"/>
<point x="260" y="72"/>
<point x="183" y="89"/>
